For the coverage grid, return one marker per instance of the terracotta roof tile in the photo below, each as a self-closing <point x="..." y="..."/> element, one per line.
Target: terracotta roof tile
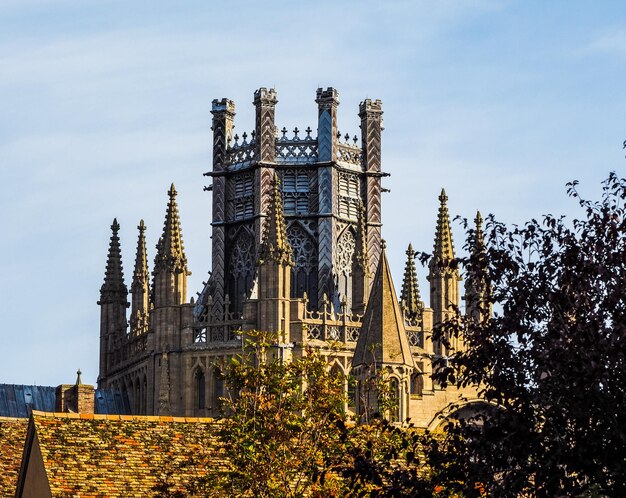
<point x="128" y="457"/>
<point x="12" y="439"/>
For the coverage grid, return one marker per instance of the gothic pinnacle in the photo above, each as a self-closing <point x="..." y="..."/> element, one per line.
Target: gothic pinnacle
<point x="444" y="247"/>
<point x="410" y="299"/>
<point x="140" y="275"/>
<point x="479" y="243"/>
<point x="477" y="289"/>
<point x="275" y="245"/>
<point x="113" y="289"/>
<point x="170" y="249"/>
<point x="140" y="288"/>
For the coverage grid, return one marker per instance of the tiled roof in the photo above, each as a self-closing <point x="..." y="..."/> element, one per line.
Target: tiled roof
<point x="17" y="400"/>
<point x="121" y="455"/>
<point x="12" y="438"/>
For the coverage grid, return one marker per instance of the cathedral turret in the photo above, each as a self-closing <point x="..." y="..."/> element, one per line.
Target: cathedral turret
<point x="371" y="114"/>
<point x="170" y="263"/>
<point x="477" y="294"/>
<point x="113" y="303"/>
<point x="360" y="266"/>
<point x="443" y="271"/>
<point x="140" y="288"/>
<point x="410" y="299"/>
<point x="382" y="351"/>
<point x="223" y="112"/>
<point x="274" y="268"/>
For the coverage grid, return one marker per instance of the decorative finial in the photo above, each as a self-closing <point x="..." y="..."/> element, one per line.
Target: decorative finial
<point x="383" y="244"/>
<point x="172" y="191"/>
<point x="78" y="379"/>
<point x="115" y="226"/>
<point x="479" y="219"/>
<point x="443" y="197"/>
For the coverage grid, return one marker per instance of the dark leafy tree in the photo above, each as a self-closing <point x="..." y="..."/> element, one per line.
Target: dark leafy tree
<point x="551" y="360"/>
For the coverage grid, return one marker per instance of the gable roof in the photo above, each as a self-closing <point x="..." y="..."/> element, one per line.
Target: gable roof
<point x="383" y="338"/>
<point x="114" y="455"/>
<point x="12" y="437"/>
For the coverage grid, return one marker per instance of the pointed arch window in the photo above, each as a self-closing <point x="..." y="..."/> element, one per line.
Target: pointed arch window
<point x="417" y="384"/>
<point x="394" y="410"/>
<point x="218" y="386"/>
<point x="200" y="390"/>
<point x="137" y="399"/>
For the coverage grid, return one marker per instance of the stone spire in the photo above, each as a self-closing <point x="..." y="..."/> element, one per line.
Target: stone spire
<point x="478" y="247"/>
<point x="113" y="303"/>
<point x="382" y="351"/>
<point x="383" y="339"/>
<point x="443" y="272"/>
<point x="274" y="245"/>
<point x="444" y="248"/>
<point x="140" y="288"/>
<point x="113" y="289"/>
<point x="410" y="299"/>
<point x="170" y="250"/>
<point x="170" y="264"/>
<point x="360" y="265"/>
<point x="477" y="292"/>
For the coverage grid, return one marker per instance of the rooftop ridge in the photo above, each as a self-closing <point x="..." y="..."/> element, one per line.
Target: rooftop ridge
<point x="126" y="418"/>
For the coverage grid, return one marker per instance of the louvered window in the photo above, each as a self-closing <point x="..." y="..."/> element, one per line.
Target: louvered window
<point x="295" y="188"/>
<point x="348" y="195"/>
<point x="243" y="202"/>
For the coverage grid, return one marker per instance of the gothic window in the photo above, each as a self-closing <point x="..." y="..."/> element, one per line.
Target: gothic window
<point x="417" y="384"/>
<point x="295" y="187"/>
<point x="348" y="195"/>
<point x="343" y="264"/>
<point x="137" y="400"/>
<point x="337" y="374"/>
<point x="352" y="385"/>
<point x="304" y="272"/>
<point x="200" y="390"/>
<point x="242" y="201"/>
<point x="345" y="252"/>
<point x="241" y="269"/>
<point x="394" y="387"/>
<point x="144" y="396"/>
<point x="218" y="387"/>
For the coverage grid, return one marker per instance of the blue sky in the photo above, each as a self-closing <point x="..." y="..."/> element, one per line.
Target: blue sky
<point x="104" y="103"/>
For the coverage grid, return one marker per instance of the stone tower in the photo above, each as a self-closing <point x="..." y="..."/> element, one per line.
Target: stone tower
<point x="296" y="250"/>
<point x="323" y="179"/>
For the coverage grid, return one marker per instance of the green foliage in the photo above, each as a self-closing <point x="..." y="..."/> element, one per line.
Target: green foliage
<point x="285" y="423"/>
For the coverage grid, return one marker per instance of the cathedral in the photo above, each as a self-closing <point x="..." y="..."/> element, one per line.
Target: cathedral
<point x="296" y="250"/>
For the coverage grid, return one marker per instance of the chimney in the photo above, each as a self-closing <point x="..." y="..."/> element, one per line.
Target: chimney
<point x="74" y="398"/>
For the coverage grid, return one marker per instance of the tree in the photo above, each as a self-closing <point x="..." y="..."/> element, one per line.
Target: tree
<point x="552" y="360"/>
<point x="284" y="427"/>
<point x="286" y="434"/>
